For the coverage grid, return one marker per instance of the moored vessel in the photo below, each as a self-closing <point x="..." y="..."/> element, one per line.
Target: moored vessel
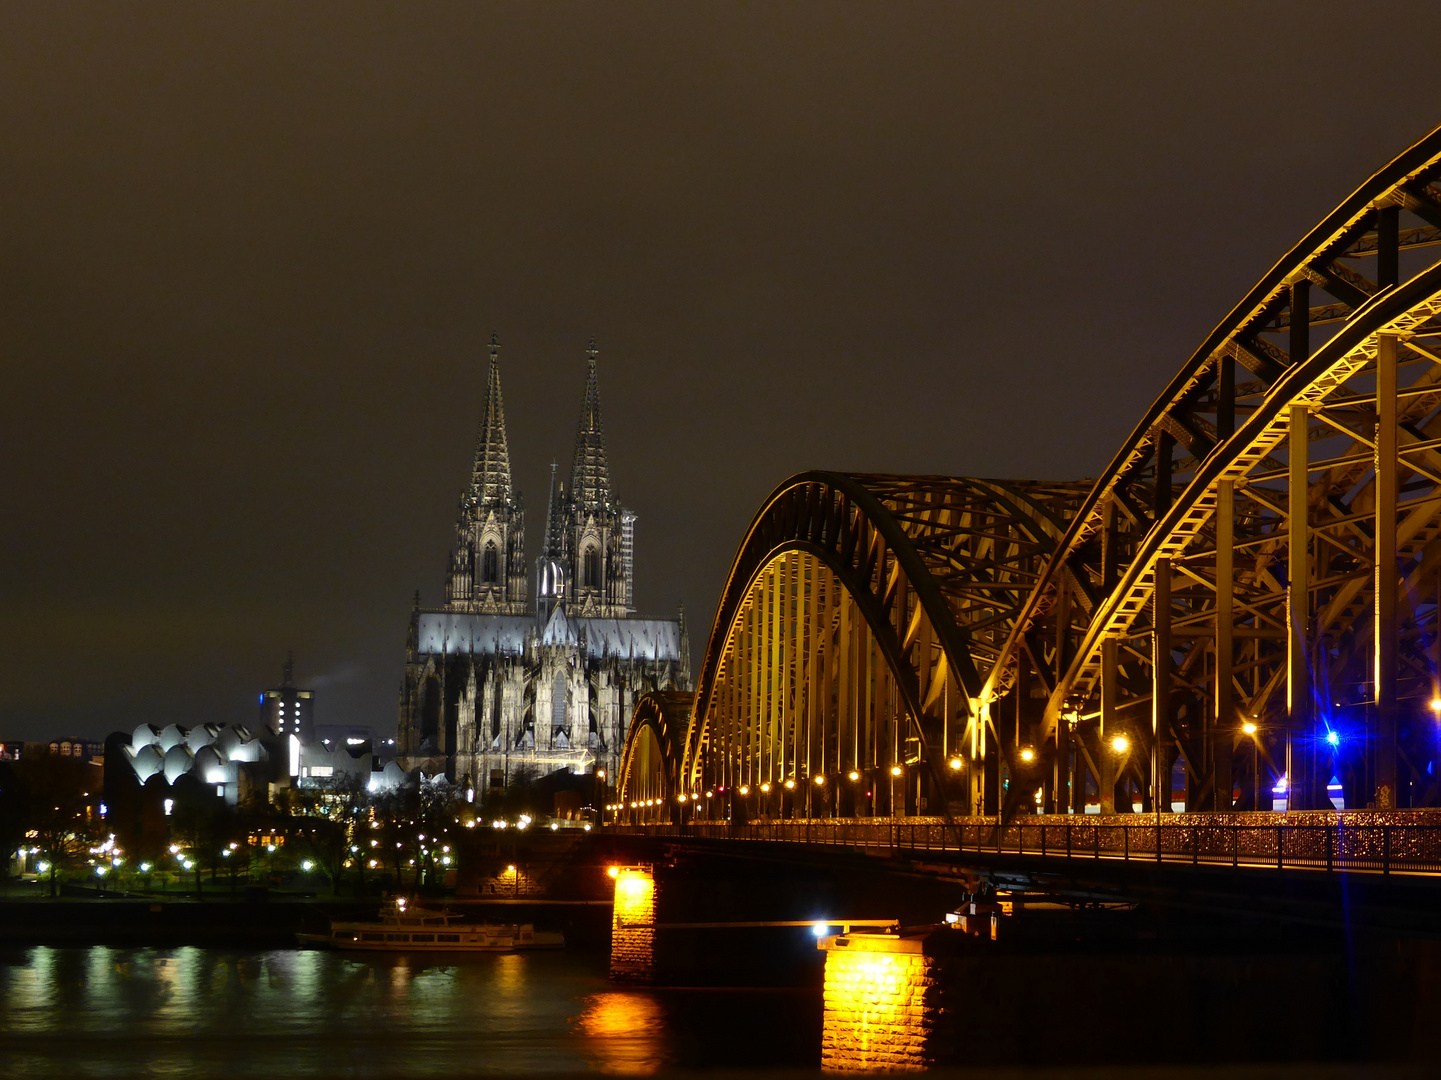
<point x="406" y="928"/>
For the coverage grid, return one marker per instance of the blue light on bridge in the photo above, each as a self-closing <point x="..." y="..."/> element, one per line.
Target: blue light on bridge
<point x="1334" y="738"/>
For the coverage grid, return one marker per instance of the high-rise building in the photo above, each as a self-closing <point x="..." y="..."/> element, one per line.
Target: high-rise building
<point x="495" y="682"/>
<point x="288" y="710"/>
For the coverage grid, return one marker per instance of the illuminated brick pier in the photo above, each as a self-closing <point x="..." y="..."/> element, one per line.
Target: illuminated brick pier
<point x="884" y="1008"/>
<point x="632" y="925"/>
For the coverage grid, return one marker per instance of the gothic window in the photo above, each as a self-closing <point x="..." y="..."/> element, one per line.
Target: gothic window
<point x="490" y="564"/>
<point x="592" y="568"/>
<point x="557" y="704"/>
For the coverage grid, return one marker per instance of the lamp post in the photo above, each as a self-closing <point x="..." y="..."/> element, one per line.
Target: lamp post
<point x="1249" y="728"/>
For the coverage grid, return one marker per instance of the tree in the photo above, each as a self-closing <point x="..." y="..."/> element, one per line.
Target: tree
<point x="324" y="816"/>
<point x="58" y="812"/>
<point x="395" y="816"/>
<point x="440" y="801"/>
<point x="12" y="811"/>
<point x="202" y="825"/>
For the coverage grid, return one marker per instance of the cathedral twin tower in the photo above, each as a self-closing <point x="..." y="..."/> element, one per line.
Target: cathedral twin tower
<point x="497" y="682"/>
<point x="587" y="555"/>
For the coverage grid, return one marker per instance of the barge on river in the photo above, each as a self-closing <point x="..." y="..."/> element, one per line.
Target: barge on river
<point x="409" y="929"/>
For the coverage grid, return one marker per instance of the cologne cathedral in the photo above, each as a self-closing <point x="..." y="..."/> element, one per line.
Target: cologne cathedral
<point x="496" y="681"/>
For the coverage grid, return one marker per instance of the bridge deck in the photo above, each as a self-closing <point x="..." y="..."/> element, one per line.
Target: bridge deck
<point x="1360" y="842"/>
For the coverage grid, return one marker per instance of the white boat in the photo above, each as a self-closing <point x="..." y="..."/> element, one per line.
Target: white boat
<point x="405" y="928"/>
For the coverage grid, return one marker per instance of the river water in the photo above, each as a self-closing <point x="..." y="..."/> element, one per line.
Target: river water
<point x="190" y="1012"/>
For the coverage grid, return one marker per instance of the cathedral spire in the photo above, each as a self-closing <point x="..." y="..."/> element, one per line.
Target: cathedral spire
<point x="554" y="520"/>
<point x="487" y="565"/>
<point x="590" y="475"/>
<point x="490" y="476"/>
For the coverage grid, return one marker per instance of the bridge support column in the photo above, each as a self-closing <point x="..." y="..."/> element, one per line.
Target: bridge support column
<point x="1298" y="670"/>
<point x="1109" y="727"/>
<point x="1224" y="733"/>
<point x="1387" y="635"/>
<point x="1066" y="767"/>
<point x="1161" y="689"/>
<point x="884" y="1003"/>
<point x="632" y="925"/>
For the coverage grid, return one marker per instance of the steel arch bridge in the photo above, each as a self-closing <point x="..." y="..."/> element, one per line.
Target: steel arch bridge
<point x="1242" y="606"/>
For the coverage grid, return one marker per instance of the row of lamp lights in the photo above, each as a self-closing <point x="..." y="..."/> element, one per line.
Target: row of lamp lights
<point x="789" y="784"/>
<point x="1119" y="743"/>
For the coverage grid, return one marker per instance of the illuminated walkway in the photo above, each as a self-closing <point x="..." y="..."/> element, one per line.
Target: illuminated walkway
<point x="1317" y="841"/>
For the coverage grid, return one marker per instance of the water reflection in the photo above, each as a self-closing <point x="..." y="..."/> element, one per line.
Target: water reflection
<point x="624" y="1031"/>
<point x="103" y="1012"/>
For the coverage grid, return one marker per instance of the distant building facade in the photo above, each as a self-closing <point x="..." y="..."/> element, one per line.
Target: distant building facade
<point x="496" y="681"/>
<point x="288" y="710"/>
<point x="236" y="763"/>
<point x="74" y="746"/>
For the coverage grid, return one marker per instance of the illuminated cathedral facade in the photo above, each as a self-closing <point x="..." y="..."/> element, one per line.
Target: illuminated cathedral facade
<point x="499" y="680"/>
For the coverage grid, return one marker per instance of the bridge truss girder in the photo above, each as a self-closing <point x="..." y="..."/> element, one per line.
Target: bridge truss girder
<point x="1273" y="537"/>
<point x="1256" y="574"/>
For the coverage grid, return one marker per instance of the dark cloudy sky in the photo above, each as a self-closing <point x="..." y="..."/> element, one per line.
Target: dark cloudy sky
<point x="250" y="253"/>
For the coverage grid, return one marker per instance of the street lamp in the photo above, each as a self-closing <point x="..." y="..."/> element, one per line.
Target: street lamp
<point x="1120" y="744"/>
<point x="1250" y="728"/>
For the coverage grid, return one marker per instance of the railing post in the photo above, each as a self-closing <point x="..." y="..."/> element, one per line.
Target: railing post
<point x="1125" y="843"/>
<point x="1386" y="850"/>
<point x="1235" y="846"/>
<point x="1329" y="832"/>
<point x="1281" y="840"/>
<point x="1068" y="837"/>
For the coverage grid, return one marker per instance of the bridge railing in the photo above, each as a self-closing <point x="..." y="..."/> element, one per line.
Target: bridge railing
<point x="1398" y="842"/>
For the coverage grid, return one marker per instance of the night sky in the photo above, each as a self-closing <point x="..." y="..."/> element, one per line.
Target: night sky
<point x="250" y="255"/>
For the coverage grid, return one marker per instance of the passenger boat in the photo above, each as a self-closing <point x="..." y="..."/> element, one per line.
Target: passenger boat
<point x="404" y="928"/>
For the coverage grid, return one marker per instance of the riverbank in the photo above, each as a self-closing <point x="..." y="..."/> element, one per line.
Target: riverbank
<point x="269" y="923"/>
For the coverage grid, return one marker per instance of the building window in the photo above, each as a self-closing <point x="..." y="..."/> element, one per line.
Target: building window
<point x="592" y="568"/>
<point x="490" y="564"/>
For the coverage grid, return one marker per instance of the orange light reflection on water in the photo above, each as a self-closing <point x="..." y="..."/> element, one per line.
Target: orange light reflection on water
<point x="624" y="1029"/>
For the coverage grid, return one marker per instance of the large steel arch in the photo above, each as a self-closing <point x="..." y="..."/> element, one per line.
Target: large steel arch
<point x="650" y="761"/>
<point x="861" y="618"/>
<point x="1251" y="584"/>
<point x="1247" y="597"/>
